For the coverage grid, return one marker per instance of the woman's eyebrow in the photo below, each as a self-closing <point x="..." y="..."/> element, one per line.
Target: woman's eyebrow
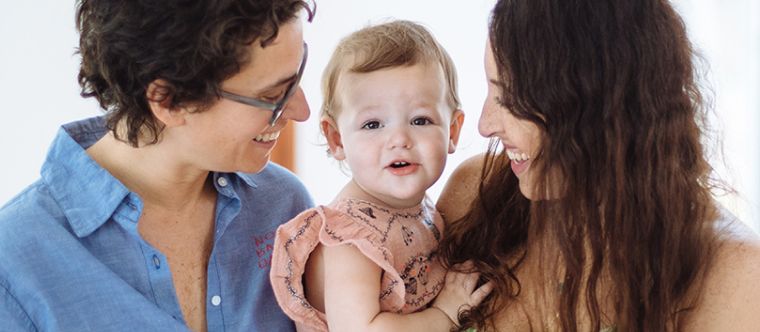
<point x="284" y="81"/>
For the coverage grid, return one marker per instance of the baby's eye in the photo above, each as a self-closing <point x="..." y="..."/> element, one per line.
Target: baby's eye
<point x="371" y="125"/>
<point x="421" y="121"/>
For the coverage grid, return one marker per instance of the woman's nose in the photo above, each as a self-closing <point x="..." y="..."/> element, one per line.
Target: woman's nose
<point x="487" y="123"/>
<point x="297" y="108"/>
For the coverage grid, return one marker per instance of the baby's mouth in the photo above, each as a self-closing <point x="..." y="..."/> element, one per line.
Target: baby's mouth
<point x="399" y="164"/>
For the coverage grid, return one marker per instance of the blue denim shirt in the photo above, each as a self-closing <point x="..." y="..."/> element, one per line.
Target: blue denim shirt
<point x="71" y="258"/>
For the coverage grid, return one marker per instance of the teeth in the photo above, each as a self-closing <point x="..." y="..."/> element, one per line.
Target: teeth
<point x="517" y="156"/>
<point x="400" y="164"/>
<point x="267" y="137"/>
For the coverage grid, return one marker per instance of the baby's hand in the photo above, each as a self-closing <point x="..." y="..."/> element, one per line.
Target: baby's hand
<point x="459" y="292"/>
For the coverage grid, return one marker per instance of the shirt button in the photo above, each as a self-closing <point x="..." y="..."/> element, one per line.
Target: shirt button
<point x="222" y="181"/>
<point x="156" y="262"/>
<point x="216" y="300"/>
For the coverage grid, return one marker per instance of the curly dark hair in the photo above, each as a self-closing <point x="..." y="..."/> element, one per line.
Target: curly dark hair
<point x="612" y="87"/>
<point x="191" y="45"/>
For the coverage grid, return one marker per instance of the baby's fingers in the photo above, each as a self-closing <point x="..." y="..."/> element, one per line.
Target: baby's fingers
<point x="467" y="266"/>
<point x="469" y="280"/>
<point x="463" y="280"/>
<point x="480" y="294"/>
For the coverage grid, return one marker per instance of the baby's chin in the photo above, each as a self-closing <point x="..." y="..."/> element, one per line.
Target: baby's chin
<point x="404" y="200"/>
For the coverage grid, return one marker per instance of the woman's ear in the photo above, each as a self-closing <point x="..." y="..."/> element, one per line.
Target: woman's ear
<point x="334" y="142"/>
<point x="159" y="97"/>
<point x="455" y="128"/>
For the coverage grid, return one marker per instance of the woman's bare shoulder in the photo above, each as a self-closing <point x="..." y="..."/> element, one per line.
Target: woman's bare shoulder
<point x="731" y="294"/>
<point x="461" y="188"/>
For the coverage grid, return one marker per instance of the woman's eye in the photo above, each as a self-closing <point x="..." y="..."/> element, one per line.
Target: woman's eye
<point x="503" y="102"/>
<point x="272" y="98"/>
<point x="421" y="121"/>
<point x="371" y="125"/>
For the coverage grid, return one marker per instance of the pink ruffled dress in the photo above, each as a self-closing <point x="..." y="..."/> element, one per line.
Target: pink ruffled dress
<point x="402" y="242"/>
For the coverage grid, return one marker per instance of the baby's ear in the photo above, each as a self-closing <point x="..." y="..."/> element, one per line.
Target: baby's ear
<point x="334" y="142"/>
<point x="159" y="97"/>
<point x="455" y="128"/>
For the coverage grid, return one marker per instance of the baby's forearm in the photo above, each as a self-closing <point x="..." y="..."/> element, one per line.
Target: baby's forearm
<point x="430" y="319"/>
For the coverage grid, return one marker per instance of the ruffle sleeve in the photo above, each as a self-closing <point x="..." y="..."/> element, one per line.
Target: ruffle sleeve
<point x="296" y="239"/>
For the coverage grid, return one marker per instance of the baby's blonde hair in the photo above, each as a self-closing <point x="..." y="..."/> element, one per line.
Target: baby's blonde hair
<point x="393" y="44"/>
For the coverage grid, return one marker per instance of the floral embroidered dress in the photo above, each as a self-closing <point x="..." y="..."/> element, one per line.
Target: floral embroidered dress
<point x="402" y="242"/>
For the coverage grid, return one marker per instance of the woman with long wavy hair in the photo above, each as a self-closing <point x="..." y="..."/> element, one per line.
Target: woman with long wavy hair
<point x="593" y="209"/>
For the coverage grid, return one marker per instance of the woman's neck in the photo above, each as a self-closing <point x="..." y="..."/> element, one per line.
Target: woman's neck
<point x="151" y="173"/>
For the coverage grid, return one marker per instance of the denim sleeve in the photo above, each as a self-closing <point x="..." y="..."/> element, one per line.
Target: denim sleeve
<point x="12" y="316"/>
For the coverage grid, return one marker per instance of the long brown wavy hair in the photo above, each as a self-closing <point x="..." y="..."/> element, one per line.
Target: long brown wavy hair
<point x="612" y="87"/>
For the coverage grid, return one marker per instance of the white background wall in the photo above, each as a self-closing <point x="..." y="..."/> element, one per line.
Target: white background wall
<point x="38" y="89"/>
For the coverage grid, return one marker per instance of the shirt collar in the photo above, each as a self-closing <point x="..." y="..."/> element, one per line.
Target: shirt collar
<point x="86" y="192"/>
<point x="247" y="178"/>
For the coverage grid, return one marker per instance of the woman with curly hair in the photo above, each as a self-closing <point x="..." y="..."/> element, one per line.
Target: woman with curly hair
<point x="160" y="215"/>
<point x="593" y="209"/>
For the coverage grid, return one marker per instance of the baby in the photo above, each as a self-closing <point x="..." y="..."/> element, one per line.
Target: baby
<point x="367" y="261"/>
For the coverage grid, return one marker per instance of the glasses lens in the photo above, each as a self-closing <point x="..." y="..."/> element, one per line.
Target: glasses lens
<point x="277" y="112"/>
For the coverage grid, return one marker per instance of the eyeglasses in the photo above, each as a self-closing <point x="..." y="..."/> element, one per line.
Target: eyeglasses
<point x="277" y="107"/>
